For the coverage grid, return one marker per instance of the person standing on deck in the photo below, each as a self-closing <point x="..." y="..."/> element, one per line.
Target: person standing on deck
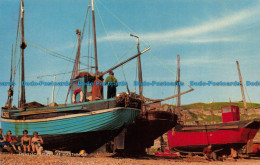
<point x="112" y="84"/>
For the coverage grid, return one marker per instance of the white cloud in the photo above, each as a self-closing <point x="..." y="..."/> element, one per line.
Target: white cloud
<point x="193" y="34"/>
<point x="116" y="36"/>
<point x="210" y="26"/>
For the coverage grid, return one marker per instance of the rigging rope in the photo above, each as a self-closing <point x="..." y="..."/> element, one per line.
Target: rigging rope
<point x="85" y="22"/>
<point x="167" y="67"/>
<point x="18" y="33"/>
<point x="81" y="39"/>
<point x="16" y="42"/>
<point x="122" y="22"/>
<point x="56" y="74"/>
<point x="111" y="44"/>
<point x="247" y="94"/>
<point x="53" y="53"/>
<point x="131" y="48"/>
<point x="146" y="43"/>
<point x="131" y="30"/>
<point x="66" y="68"/>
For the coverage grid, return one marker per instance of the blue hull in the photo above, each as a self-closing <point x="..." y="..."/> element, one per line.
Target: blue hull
<point x="85" y="130"/>
<point x="110" y="119"/>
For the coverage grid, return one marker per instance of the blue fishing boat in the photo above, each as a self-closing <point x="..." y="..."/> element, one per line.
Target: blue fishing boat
<point x="73" y="127"/>
<point x="88" y="122"/>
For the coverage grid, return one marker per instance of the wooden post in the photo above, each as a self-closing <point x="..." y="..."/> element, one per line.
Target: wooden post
<point x="212" y="111"/>
<point x="53" y="89"/>
<point x="242" y="90"/>
<point x="178" y="82"/>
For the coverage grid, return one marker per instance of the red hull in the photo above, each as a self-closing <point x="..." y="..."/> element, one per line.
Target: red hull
<point x="193" y="139"/>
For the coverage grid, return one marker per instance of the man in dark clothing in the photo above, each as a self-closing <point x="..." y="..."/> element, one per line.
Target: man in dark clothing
<point x="111" y="82"/>
<point x="207" y="152"/>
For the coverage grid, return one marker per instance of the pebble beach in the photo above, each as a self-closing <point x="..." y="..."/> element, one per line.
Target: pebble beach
<point x="107" y="159"/>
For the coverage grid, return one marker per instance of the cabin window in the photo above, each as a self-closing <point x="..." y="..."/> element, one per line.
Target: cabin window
<point x="226" y="109"/>
<point x="89" y="93"/>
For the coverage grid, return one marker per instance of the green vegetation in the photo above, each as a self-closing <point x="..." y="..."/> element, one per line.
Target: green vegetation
<point x="195" y="111"/>
<point x="193" y="115"/>
<point x="242" y="116"/>
<point x="218" y="105"/>
<point x="209" y="119"/>
<point x="204" y="118"/>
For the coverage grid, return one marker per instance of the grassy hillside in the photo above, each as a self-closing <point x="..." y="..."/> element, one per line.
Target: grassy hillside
<point x="215" y="105"/>
<point x="202" y="111"/>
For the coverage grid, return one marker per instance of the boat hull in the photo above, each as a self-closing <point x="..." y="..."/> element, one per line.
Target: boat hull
<point x="87" y="130"/>
<point x="221" y="136"/>
<point x="147" y="127"/>
<point x="74" y="142"/>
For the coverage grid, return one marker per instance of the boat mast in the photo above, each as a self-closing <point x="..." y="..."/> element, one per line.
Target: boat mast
<point x="178" y="82"/>
<point x="76" y="63"/>
<point x="10" y="91"/>
<point x="140" y="74"/>
<point x="242" y="89"/>
<point x="78" y="32"/>
<point x="22" y="46"/>
<point x="53" y="89"/>
<point x="95" y="38"/>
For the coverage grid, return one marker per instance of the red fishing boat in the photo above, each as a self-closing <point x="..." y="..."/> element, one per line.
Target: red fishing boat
<point x="232" y="133"/>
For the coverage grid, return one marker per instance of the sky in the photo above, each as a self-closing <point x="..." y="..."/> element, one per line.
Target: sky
<point x="209" y="36"/>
